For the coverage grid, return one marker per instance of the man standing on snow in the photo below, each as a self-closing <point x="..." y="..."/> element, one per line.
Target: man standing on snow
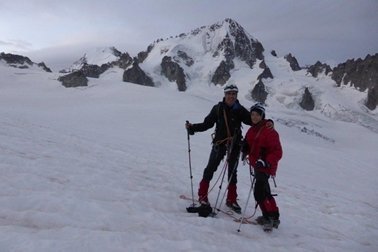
<point x="228" y="116"/>
<point x="263" y="147"/>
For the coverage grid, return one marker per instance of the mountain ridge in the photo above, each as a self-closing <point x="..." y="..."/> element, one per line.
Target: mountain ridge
<point x="213" y="55"/>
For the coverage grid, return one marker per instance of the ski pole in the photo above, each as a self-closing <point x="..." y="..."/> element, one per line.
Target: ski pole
<point x="229" y="180"/>
<point x="234" y="168"/>
<point x="249" y="195"/>
<point x="274" y="181"/>
<point x="220" y="188"/>
<point x="190" y="165"/>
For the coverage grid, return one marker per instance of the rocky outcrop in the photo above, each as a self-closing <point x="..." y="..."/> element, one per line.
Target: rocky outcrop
<point x="222" y="73"/>
<point x="258" y="92"/>
<point x="136" y="75"/>
<point x="94" y="71"/>
<point x="22" y="62"/>
<point x="124" y="61"/>
<point x="362" y="74"/>
<point x="13" y="59"/>
<point x="227" y="47"/>
<point x="266" y="73"/>
<point x="293" y="62"/>
<point x="307" y="102"/>
<point x="318" y="68"/>
<point x="143" y="55"/>
<point x="74" y="79"/>
<point x="173" y="72"/>
<point x="273" y="53"/>
<point x="183" y="57"/>
<point x="44" y="67"/>
<point x="372" y="98"/>
<point x="244" y="47"/>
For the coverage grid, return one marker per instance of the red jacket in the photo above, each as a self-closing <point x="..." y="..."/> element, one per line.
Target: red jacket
<point x="264" y="143"/>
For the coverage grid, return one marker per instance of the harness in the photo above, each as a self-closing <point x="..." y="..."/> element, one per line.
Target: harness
<point x="229" y="137"/>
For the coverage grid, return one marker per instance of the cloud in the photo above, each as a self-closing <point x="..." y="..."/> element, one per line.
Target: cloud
<point x="299" y="27"/>
<point x="15" y="45"/>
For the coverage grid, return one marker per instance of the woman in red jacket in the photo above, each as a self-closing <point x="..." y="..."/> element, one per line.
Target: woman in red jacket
<point x="264" y="150"/>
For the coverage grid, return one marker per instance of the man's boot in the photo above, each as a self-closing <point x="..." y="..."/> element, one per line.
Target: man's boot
<point x="202" y="192"/>
<point x="231" y="198"/>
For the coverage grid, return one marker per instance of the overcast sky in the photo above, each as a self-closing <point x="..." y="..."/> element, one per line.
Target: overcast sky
<point x="59" y="32"/>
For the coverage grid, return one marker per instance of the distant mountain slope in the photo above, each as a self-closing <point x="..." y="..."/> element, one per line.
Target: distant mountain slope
<point x="20" y="61"/>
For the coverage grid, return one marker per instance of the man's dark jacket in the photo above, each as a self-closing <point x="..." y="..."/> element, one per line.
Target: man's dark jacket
<point x="236" y="114"/>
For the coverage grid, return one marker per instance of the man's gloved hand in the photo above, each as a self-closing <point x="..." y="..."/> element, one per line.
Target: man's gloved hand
<point x="189" y="128"/>
<point x="260" y="164"/>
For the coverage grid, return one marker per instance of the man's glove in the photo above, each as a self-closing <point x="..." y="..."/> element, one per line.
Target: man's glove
<point x="260" y="164"/>
<point x="189" y="128"/>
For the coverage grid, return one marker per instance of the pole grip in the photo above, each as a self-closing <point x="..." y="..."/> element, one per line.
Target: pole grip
<point x="187" y="130"/>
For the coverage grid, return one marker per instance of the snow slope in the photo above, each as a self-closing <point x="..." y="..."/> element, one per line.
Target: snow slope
<point x="100" y="168"/>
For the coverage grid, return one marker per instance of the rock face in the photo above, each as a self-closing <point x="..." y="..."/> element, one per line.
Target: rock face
<point x="266" y="73"/>
<point x="318" y="68"/>
<point x="183" y="57"/>
<point x="258" y="92"/>
<point x="136" y="75"/>
<point x="244" y="47"/>
<point x="20" y="61"/>
<point x="143" y="55"/>
<point x="75" y="79"/>
<point x="372" y="98"/>
<point x="94" y="71"/>
<point x="307" y="102"/>
<point x="173" y="72"/>
<point x="293" y="62"/>
<point x="222" y="73"/>
<point x="362" y="74"/>
<point x="123" y="62"/>
<point x="13" y="59"/>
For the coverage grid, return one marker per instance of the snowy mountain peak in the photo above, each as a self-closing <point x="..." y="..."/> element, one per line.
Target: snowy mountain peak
<point x="225" y="38"/>
<point x="96" y="56"/>
<point x="206" y="54"/>
<point x="230" y="26"/>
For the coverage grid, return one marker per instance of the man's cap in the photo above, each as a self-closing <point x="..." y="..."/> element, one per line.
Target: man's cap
<point x="231" y="88"/>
